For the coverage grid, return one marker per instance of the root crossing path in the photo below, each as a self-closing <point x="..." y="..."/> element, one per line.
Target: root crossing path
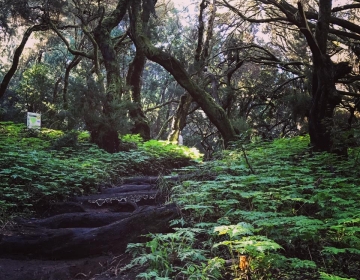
<point x="74" y="237"/>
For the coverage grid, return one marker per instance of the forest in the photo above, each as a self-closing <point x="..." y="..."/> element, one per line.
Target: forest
<point x="265" y="97"/>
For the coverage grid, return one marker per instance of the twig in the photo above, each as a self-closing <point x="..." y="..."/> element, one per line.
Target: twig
<point x="247" y="160"/>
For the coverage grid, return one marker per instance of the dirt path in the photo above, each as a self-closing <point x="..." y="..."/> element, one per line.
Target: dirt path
<point x="85" y="238"/>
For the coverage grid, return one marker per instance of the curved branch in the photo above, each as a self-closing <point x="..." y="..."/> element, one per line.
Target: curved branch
<point x="338" y="21"/>
<point x="287" y="82"/>
<point x="345" y="7"/>
<point x="117" y="41"/>
<point x="343" y="34"/>
<point x="7" y="78"/>
<point x="96" y="51"/>
<point x="348" y="93"/>
<point x="236" y="11"/>
<point x="161" y="105"/>
<point x="71" y="50"/>
<point x="215" y="113"/>
<point x="304" y="28"/>
<point x="71" y="65"/>
<point x="163" y="127"/>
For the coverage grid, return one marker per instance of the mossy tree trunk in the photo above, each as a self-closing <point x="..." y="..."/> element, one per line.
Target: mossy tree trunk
<point x="179" y="118"/>
<point x="105" y="135"/>
<point x="325" y="97"/>
<point x="133" y="80"/>
<point x="201" y="55"/>
<point x="214" y="111"/>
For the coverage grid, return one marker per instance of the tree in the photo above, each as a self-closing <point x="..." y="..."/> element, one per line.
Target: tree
<point x="214" y="112"/>
<point x="98" y="24"/>
<point x="236" y="77"/>
<point x="201" y="54"/>
<point x="320" y="37"/>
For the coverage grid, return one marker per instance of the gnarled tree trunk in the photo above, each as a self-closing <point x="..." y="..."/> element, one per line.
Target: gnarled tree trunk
<point x="179" y="119"/>
<point x="325" y="97"/>
<point x="214" y="111"/>
<point x="133" y="79"/>
<point x="106" y="135"/>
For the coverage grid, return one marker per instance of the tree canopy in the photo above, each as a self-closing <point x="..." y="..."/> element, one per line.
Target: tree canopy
<point x="226" y="70"/>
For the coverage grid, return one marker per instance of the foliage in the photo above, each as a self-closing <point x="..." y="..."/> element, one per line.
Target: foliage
<point x="163" y="148"/>
<point x="70" y="139"/>
<point x="296" y="218"/>
<point x="37" y="167"/>
<point x="35" y="89"/>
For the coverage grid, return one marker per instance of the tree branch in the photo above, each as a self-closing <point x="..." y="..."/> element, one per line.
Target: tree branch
<point x="252" y="20"/>
<point x="304" y="28"/>
<point x="214" y="112"/>
<point x="348" y="93"/>
<point x="161" y="105"/>
<point x="71" y="50"/>
<point x="8" y="76"/>
<point x="345" y="7"/>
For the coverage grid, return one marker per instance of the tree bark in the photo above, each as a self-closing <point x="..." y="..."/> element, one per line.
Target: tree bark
<point x="70" y="243"/>
<point x="8" y="76"/>
<point x="105" y="135"/>
<point x="215" y="113"/>
<point x="325" y="97"/>
<point x="133" y="79"/>
<point x="179" y="118"/>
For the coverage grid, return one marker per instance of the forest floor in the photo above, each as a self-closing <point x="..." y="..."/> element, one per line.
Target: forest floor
<point x="22" y="264"/>
<point x="95" y="268"/>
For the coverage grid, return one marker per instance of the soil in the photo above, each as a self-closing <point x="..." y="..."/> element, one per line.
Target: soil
<point x="97" y="267"/>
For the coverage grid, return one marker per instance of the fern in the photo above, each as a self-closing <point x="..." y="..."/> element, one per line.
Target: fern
<point x="325" y="276"/>
<point x="294" y="219"/>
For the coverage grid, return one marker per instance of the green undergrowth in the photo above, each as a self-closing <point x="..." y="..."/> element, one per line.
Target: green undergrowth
<point x="37" y="167"/>
<point x="285" y="212"/>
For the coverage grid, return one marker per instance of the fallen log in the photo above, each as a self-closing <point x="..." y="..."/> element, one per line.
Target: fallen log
<point x="71" y="243"/>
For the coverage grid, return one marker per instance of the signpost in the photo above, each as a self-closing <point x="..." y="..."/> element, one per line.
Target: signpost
<point x="33" y="120"/>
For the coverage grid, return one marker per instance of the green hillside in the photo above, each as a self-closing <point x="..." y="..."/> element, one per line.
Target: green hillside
<point x="37" y="167"/>
<point x="285" y="212"/>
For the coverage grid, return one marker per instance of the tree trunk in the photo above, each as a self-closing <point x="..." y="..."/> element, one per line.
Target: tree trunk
<point x="325" y="97"/>
<point x="105" y="134"/>
<point x="179" y="119"/>
<point x="322" y="108"/>
<point x="323" y="85"/>
<point x="69" y="67"/>
<point x="8" y="76"/>
<point x="133" y="79"/>
<point x="215" y="113"/>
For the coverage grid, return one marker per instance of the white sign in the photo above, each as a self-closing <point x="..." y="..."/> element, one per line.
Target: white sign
<point x="33" y="120"/>
<point x="180" y="140"/>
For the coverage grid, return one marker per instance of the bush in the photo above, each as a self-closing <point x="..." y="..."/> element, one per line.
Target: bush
<point x="54" y="166"/>
<point x="69" y="139"/>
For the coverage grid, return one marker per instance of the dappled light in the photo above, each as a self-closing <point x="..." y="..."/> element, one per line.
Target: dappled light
<point x="173" y="140"/>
